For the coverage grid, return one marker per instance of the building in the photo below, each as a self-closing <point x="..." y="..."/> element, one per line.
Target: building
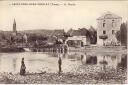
<point x="77" y="41"/>
<point x="77" y="38"/>
<point x="108" y="25"/>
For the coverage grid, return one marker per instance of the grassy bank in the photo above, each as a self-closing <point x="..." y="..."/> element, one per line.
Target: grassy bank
<point x="101" y="49"/>
<point x="113" y="77"/>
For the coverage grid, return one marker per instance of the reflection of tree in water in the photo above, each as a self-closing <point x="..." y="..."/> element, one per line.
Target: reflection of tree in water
<point x="91" y="60"/>
<point x="75" y="56"/>
<point x="14" y="64"/>
<point x="123" y="63"/>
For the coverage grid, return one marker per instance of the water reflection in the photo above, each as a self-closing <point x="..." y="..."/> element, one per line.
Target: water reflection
<point x="109" y="60"/>
<point x="123" y="63"/>
<point x="71" y="62"/>
<point x="100" y="62"/>
<point x="91" y="60"/>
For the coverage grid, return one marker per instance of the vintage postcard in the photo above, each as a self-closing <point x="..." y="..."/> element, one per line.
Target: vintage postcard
<point x="63" y="42"/>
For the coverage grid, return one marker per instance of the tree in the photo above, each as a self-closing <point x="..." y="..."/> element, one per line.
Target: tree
<point x="118" y="37"/>
<point x="122" y="34"/>
<point x="93" y="35"/>
<point x="123" y="30"/>
<point x="84" y="32"/>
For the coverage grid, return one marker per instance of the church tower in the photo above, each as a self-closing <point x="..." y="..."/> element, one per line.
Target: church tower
<point x="14" y="27"/>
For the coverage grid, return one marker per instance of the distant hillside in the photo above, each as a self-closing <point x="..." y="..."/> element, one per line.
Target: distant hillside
<point x="42" y="32"/>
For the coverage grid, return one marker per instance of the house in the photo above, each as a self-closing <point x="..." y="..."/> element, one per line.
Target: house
<point x="77" y="41"/>
<point x="77" y="38"/>
<point x="108" y="25"/>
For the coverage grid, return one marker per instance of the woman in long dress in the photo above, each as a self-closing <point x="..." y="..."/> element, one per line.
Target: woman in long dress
<point x="23" y="67"/>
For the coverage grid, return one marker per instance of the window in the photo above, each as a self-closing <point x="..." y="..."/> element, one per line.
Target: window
<point x="113" y="31"/>
<point x="103" y="24"/>
<point x="104" y="32"/>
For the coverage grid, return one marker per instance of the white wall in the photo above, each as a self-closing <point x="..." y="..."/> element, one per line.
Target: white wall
<point x="108" y="28"/>
<point x="82" y="38"/>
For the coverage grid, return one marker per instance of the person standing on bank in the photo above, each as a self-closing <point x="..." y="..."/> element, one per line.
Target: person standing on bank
<point x="59" y="64"/>
<point x="23" y="68"/>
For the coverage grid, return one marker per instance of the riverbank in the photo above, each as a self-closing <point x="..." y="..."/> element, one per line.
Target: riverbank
<point x="11" y="49"/>
<point x="111" y="77"/>
<point x="100" y="49"/>
<point x="61" y="49"/>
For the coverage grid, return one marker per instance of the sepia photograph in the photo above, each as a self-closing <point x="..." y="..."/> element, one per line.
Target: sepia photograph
<point x="63" y="42"/>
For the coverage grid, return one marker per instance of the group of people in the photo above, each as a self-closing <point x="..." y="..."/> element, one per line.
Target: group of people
<point x="23" y="67"/>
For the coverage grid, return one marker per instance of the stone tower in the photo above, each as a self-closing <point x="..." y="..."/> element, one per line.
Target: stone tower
<point x="14" y="27"/>
<point x="108" y="24"/>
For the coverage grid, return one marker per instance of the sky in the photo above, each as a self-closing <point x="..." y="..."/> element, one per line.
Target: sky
<point x="81" y="14"/>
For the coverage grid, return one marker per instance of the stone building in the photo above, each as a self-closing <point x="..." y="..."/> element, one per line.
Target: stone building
<point x="77" y="41"/>
<point x="108" y="25"/>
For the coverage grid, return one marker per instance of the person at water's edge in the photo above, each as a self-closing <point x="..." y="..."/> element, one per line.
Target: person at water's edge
<point x="23" y="68"/>
<point x="60" y="63"/>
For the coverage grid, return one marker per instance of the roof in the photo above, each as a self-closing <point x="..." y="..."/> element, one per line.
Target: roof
<point x="109" y="15"/>
<point x="79" y="32"/>
<point x="75" y="33"/>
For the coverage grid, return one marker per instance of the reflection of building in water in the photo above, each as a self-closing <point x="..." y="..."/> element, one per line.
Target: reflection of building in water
<point x="85" y="59"/>
<point x="111" y="60"/>
<point x="75" y="55"/>
<point x="89" y="59"/>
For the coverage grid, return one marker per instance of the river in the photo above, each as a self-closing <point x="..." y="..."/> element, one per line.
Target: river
<point x="71" y="62"/>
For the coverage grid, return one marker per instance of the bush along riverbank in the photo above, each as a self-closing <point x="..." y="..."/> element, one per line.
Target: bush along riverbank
<point x="111" y="77"/>
<point x="11" y="50"/>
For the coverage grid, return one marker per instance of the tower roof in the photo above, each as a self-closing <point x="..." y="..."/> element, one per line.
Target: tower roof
<point x="109" y="15"/>
<point x="14" y="26"/>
